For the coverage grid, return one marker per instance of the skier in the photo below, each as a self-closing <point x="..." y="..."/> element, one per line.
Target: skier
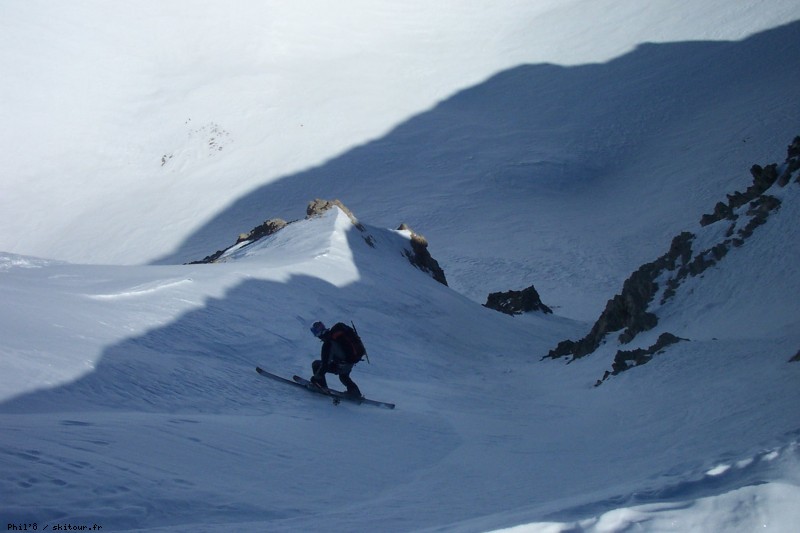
<point x="341" y="349"/>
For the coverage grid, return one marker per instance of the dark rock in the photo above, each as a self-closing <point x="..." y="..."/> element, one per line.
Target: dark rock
<point x="624" y="360"/>
<point x="759" y="211"/>
<point x="763" y="179"/>
<point x="627" y="311"/>
<point x="793" y="150"/>
<point x="564" y="348"/>
<point x="720" y="250"/>
<point x="792" y="163"/>
<point x="209" y="258"/>
<point x="270" y="227"/>
<point x="517" y="302"/>
<point x="420" y="257"/>
<point x="721" y="211"/>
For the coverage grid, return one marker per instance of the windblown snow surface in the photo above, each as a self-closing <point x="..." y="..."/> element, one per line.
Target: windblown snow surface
<point x="555" y="143"/>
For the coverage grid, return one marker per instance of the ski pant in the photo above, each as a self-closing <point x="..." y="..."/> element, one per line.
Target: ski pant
<point x="340" y="369"/>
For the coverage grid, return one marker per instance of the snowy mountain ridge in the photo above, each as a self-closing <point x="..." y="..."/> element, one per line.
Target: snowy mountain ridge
<point x="415" y="249"/>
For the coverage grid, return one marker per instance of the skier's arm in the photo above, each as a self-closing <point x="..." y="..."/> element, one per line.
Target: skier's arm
<point x="325" y="356"/>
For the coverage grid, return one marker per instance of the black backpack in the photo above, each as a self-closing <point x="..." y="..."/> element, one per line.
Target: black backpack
<point x="350" y="342"/>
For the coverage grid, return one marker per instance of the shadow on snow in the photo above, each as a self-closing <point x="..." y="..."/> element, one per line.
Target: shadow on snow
<point x="529" y="138"/>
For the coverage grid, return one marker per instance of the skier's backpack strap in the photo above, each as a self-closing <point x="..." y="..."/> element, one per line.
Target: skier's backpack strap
<point x="359" y="340"/>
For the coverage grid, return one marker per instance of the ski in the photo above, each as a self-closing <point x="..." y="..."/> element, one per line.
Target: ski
<point x="335" y="395"/>
<point x="274" y="376"/>
<point x="338" y="395"/>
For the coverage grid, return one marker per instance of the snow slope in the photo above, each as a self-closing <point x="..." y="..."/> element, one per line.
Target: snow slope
<point x="556" y="143"/>
<point x="136" y="405"/>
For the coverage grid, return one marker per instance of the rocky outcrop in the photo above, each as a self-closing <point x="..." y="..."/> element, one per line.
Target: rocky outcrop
<point x="625" y="359"/>
<point x="420" y="257"/>
<point x="209" y="258"/>
<point x="628" y="311"/>
<point x="792" y="163"/>
<point x="631" y="311"/>
<point x="318" y="206"/>
<point x="763" y="179"/>
<point x="517" y="302"/>
<point x="270" y="227"/>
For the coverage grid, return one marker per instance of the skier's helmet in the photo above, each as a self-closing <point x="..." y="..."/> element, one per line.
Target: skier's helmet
<point x="318" y="328"/>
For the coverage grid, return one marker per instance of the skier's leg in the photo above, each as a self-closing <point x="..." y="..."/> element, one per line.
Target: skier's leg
<point x="344" y="377"/>
<point x="319" y="377"/>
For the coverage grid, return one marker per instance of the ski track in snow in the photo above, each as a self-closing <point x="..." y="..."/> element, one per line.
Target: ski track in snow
<point x="141" y="290"/>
